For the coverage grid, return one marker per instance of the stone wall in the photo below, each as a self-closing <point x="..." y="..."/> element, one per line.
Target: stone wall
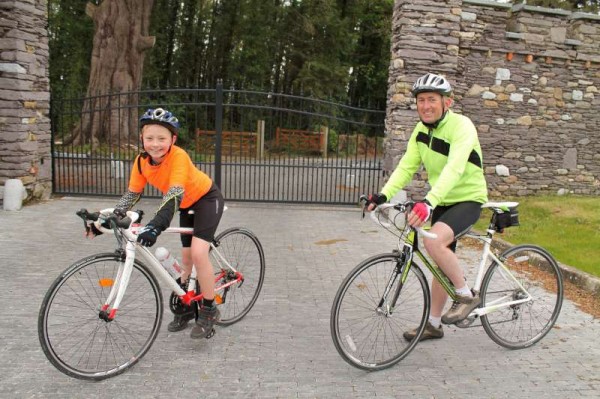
<point x="25" y="97"/>
<point x="527" y="76"/>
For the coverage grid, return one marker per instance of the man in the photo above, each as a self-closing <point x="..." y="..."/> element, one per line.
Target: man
<point x="448" y="147"/>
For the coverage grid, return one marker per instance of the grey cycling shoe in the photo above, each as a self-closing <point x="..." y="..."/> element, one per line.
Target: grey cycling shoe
<point x="430" y="332"/>
<point x="461" y="308"/>
<point x="180" y="321"/>
<point x="207" y="317"/>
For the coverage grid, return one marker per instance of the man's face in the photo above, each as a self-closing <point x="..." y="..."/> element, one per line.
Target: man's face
<point x="430" y="106"/>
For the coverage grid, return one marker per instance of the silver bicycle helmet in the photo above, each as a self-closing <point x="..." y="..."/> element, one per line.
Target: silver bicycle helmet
<point x="161" y="117"/>
<point x="432" y="83"/>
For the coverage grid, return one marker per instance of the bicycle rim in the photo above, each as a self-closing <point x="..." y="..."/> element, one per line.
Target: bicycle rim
<point x="366" y="335"/>
<point x="242" y="249"/>
<point x="520" y="326"/>
<point x="80" y="344"/>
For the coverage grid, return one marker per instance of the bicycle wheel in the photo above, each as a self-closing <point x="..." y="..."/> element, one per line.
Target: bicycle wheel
<point x="522" y="325"/>
<point x="243" y="251"/>
<point x="82" y="345"/>
<point x="365" y="332"/>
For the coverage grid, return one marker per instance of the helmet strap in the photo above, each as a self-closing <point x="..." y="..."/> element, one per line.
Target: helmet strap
<point x="435" y="124"/>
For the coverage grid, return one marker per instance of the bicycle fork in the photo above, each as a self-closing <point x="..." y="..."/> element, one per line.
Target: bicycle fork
<point x="385" y="307"/>
<point x="120" y="285"/>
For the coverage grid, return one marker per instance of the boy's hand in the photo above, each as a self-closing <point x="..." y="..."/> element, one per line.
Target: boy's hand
<point x="148" y="235"/>
<point x="92" y="231"/>
<point x="92" y="225"/>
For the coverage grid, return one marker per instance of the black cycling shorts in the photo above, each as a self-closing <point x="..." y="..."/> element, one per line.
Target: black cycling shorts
<point x="207" y="212"/>
<point x="460" y="217"/>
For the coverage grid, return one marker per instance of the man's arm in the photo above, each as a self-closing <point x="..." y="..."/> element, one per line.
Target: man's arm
<point x="463" y="140"/>
<point x="406" y="168"/>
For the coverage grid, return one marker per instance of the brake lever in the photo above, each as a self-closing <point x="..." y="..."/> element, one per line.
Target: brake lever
<point x="364" y="204"/>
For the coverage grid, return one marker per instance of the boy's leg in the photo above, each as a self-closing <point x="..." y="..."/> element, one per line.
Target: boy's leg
<point x="180" y="321"/>
<point x="208" y="314"/>
<point x="204" y="269"/>
<point x="207" y="215"/>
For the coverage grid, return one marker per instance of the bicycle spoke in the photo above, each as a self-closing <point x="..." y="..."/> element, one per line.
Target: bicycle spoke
<point x="522" y="325"/>
<point x="77" y="341"/>
<point x="370" y="337"/>
<point x="244" y="253"/>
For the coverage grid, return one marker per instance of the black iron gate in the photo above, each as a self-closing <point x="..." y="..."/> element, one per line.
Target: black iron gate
<point x="257" y="146"/>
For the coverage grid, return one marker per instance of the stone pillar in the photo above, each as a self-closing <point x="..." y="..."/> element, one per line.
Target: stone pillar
<point x="25" y="151"/>
<point x="425" y="38"/>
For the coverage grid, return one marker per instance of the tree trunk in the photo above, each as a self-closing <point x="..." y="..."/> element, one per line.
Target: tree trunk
<point x="120" y="41"/>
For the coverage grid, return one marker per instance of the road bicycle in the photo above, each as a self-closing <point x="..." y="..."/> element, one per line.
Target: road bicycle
<point x="521" y="292"/>
<point x="103" y="313"/>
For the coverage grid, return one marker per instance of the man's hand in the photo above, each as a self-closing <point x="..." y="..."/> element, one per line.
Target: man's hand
<point x="420" y="213"/>
<point x="374" y="200"/>
<point x="147" y="235"/>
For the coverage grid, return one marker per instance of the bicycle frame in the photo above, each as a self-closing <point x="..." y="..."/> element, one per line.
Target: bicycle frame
<point x="409" y="247"/>
<point x="488" y="254"/>
<point x="119" y="284"/>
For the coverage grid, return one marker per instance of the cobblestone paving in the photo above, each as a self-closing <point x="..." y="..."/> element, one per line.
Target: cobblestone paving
<point x="283" y="348"/>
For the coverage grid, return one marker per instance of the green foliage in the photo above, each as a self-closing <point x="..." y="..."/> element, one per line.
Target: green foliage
<point x="328" y="49"/>
<point x="70" y="34"/>
<point x="572" y="5"/>
<point x="567" y="226"/>
<point x="332" y="141"/>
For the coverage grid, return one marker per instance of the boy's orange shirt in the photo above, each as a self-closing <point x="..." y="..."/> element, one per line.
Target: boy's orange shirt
<point x="176" y="170"/>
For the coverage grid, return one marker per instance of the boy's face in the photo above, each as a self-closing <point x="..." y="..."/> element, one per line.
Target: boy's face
<point x="431" y="106"/>
<point x="157" y="141"/>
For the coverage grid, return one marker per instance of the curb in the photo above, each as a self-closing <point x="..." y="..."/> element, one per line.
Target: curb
<point x="579" y="278"/>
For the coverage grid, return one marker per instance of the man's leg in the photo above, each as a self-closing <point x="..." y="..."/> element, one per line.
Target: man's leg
<point x="447" y="260"/>
<point x="443" y="256"/>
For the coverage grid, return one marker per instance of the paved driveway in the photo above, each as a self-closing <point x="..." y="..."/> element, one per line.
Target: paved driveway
<point x="283" y="347"/>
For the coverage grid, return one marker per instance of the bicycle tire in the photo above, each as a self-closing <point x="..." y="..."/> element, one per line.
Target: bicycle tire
<point x="364" y="336"/>
<point x="522" y="325"/>
<point x="242" y="249"/>
<point x="73" y="336"/>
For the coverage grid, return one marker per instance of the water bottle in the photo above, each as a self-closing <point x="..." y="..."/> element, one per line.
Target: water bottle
<point x="168" y="261"/>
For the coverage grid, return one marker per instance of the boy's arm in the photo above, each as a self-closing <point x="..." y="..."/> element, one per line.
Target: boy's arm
<point x="137" y="181"/>
<point x="167" y="209"/>
<point x="128" y="200"/>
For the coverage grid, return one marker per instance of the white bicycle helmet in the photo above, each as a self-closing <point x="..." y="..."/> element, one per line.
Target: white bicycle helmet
<point x="432" y="83"/>
<point x="162" y="117"/>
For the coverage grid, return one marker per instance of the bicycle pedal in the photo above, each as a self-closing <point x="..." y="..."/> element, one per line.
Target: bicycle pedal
<point x="211" y="334"/>
<point x="465" y="322"/>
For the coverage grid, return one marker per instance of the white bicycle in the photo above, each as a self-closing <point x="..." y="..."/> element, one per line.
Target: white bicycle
<point x="103" y="313"/>
<point x="521" y="293"/>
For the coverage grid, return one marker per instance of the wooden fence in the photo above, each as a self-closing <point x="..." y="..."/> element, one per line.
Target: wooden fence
<point x="232" y="143"/>
<point x="302" y="140"/>
<point x="249" y="144"/>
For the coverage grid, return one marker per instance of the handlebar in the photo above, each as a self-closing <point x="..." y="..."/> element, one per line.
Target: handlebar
<point x="403" y="207"/>
<point x="110" y="219"/>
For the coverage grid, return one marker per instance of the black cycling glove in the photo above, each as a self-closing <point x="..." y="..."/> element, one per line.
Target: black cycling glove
<point x="377" y="199"/>
<point x="148" y="235"/>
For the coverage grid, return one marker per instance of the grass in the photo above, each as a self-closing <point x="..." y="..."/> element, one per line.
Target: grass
<point x="567" y="226"/>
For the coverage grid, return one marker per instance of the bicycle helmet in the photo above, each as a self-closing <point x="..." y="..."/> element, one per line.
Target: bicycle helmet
<point x="432" y="83"/>
<point x="161" y="117"/>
